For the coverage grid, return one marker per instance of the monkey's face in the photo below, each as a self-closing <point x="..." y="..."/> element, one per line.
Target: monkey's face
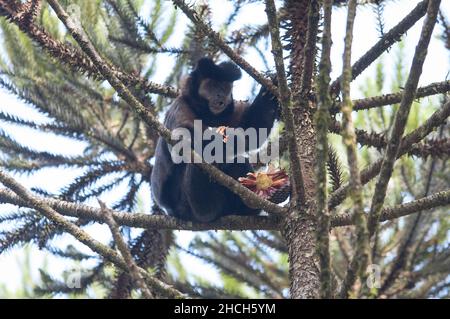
<point x="217" y="93"/>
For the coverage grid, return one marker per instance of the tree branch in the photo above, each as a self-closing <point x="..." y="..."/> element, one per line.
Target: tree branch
<point x="147" y="221"/>
<point x="322" y="120"/>
<point x="96" y="246"/>
<point x="389" y="213"/>
<point x="362" y="252"/>
<point x="309" y="51"/>
<point x="384" y="43"/>
<point x="237" y="223"/>
<point x="402" y="115"/>
<point x="133" y="269"/>
<point x="435" y="120"/>
<point x="285" y="99"/>
<point x="393" y="98"/>
<point x="439" y="147"/>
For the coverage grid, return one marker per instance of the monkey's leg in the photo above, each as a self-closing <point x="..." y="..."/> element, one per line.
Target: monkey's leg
<point x="207" y="199"/>
<point x="237" y="206"/>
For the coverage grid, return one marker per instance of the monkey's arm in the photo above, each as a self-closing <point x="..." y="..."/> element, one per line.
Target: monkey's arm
<point x="181" y="122"/>
<point x="262" y="113"/>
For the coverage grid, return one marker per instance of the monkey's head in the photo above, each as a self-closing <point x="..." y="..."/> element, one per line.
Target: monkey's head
<point x="213" y="84"/>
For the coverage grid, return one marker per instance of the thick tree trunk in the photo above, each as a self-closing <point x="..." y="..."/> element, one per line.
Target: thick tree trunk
<point x="299" y="232"/>
<point x="299" y="228"/>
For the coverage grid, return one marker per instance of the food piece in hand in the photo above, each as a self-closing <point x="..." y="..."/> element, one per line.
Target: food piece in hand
<point x="221" y="130"/>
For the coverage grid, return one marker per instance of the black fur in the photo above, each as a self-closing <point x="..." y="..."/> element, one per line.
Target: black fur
<point x="225" y="71"/>
<point x="183" y="189"/>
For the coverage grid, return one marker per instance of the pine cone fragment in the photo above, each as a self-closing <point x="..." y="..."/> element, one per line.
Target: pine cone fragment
<point x="272" y="185"/>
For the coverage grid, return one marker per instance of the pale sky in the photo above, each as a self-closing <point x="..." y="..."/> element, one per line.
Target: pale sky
<point x="436" y="68"/>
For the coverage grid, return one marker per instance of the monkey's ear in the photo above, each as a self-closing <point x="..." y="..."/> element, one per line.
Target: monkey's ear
<point x="230" y="71"/>
<point x="225" y="71"/>
<point x="205" y="67"/>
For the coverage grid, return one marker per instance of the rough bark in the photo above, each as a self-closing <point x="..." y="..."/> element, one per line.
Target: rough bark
<point x="299" y="231"/>
<point x="299" y="226"/>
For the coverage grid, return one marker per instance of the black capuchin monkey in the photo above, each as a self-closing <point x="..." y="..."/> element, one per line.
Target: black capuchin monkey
<point x="183" y="189"/>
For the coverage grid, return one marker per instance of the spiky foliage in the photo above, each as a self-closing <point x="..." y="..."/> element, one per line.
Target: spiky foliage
<point x="116" y="146"/>
<point x="44" y="67"/>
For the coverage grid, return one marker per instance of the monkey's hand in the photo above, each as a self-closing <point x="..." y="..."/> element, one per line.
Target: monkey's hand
<point x="269" y="99"/>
